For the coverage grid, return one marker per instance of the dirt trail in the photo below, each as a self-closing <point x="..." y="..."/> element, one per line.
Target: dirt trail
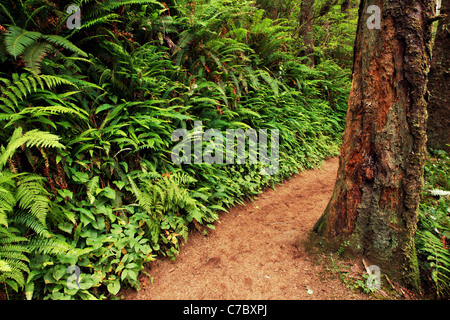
<point x="254" y="253"/>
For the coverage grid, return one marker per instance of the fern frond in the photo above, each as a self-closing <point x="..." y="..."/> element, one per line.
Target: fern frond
<point x="48" y="245"/>
<point x="18" y="39"/>
<point x="7" y="200"/>
<point x="34" y="112"/>
<point x="31" y="138"/>
<point x="52" y="81"/>
<point x="8" y="238"/>
<point x="439" y="258"/>
<point x="14" y="274"/>
<point x="96" y="21"/>
<point x="32" y="197"/>
<point x="27" y="83"/>
<point x="4" y="266"/>
<point x="33" y="56"/>
<point x="13" y="261"/>
<point x="113" y="4"/>
<point x="66" y="44"/>
<point x="270" y="81"/>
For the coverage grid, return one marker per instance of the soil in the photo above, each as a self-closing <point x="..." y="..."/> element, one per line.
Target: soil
<point x="256" y="252"/>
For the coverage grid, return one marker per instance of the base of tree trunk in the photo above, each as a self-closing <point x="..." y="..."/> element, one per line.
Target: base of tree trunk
<point x="380" y="177"/>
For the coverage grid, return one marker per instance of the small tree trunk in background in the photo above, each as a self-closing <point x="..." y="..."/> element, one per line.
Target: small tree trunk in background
<point x="380" y="176"/>
<point x="345" y="6"/>
<point x="439" y="107"/>
<point x="306" y="29"/>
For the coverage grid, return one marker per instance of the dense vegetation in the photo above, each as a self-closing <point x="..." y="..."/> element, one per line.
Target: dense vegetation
<point x="433" y="234"/>
<point x="86" y="117"/>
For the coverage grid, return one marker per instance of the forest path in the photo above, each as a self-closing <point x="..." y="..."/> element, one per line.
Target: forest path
<point x="255" y="253"/>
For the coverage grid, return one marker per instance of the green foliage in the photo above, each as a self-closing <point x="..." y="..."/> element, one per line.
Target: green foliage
<point x="342" y="269"/>
<point x="433" y="234"/>
<point x="17" y="40"/>
<point x="87" y="115"/>
<point x="31" y="138"/>
<point x="23" y="42"/>
<point x="334" y="33"/>
<point x="13" y="259"/>
<point x="107" y="260"/>
<point x="24" y="207"/>
<point x="15" y="93"/>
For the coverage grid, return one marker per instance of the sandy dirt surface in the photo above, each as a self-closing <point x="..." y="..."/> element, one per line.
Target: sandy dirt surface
<point x="256" y="251"/>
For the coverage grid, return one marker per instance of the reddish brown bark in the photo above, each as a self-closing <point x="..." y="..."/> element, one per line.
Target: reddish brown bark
<point x="382" y="157"/>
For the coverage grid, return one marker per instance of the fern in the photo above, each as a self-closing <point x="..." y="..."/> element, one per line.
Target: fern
<point x="270" y="81"/>
<point x="439" y="259"/>
<point x="17" y="90"/>
<point x="18" y="39"/>
<point x="64" y="43"/>
<point x="7" y="199"/>
<point x="31" y="196"/>
<point x="109" y="18"/>
<point x="24" y="218"/>
<point x="37" y="112"/>
<point x="7" y="11"/>
<point x="115" y="102"/>
<point x="113" y="4"/>
<point x="33" y="56"/>
<point x="102" y="13"/>
<point x="166" y="195"/>
<point x="25" y="192"/>
<point x="13" y="259"/>
<point x="34" y="138"/>
<point x="48" y="245"/>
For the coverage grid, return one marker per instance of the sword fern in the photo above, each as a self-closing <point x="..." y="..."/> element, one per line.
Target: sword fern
<point x="23" y="42"/>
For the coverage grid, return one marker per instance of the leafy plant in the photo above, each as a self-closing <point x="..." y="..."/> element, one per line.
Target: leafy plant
<point x="87" y="117"/>
<point x="24" y="206"/>
<point x="13" y="259"/>
<point x="433" y="234"/>
<point x="107" y="260"/>
<point x="26" y="43"/>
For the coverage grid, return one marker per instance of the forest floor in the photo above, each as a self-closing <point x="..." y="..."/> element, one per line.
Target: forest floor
<point x="257" y="251"/>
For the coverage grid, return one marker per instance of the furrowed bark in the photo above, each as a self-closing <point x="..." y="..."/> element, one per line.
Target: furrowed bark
<point x="380" y="175"/>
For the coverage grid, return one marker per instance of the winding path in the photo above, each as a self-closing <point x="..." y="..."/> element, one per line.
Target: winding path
<point x="255" y="253"/>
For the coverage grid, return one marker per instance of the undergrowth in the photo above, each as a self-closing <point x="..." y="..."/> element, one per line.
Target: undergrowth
<point x="88" y="192"/>
<point x="433" y="234"/>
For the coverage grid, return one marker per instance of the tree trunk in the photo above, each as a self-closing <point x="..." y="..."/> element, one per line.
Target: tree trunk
<point x="439" y="106"/>
<point x="306" y="29"/>
<point x="345" y="7"/>
<point x="376" y="195"/>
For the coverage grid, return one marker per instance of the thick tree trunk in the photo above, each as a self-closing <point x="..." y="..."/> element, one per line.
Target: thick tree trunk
<point x="306" y="29"/>
<point x="439" y="106"/>
<point x="380" y="175"/>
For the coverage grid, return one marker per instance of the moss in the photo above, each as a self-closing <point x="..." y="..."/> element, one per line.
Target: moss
<point x="411" y="275"/>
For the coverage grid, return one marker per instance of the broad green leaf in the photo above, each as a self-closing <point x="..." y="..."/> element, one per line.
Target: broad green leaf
<point x="114" y="287"/>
